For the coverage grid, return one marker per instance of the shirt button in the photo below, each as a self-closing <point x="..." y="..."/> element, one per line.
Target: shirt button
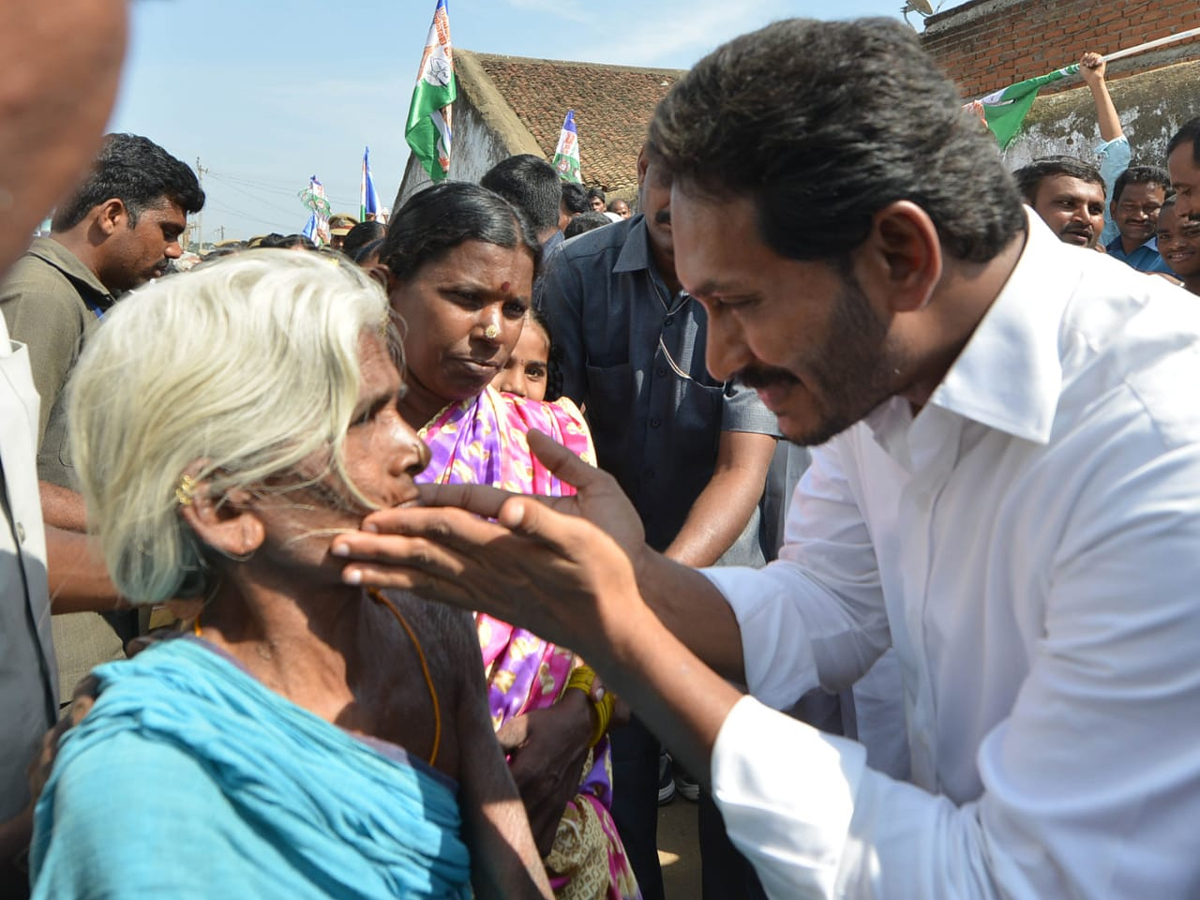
<point x="655" y="421"/>
<point x="649" y="473"/>
<point x="661" y="371"/>
<point x="20" y="533"/>
<point x="668" y="320"/>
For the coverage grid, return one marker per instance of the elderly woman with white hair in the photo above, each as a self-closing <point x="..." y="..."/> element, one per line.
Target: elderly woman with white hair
<point x="310" y="739"/>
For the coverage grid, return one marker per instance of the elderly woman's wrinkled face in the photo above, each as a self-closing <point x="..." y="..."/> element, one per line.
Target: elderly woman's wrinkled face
<point x="463" y="315"/>
<point x="381" y="454"/>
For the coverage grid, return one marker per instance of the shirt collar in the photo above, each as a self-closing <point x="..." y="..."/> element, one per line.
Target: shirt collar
<point x="55" y="254"/>
<point x="1115" y="248"/>
<point x="635" y="253"/>
<point x="1009" y="376"/>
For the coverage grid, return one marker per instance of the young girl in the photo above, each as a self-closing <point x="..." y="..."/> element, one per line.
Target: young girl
<point x="528" y="371"/>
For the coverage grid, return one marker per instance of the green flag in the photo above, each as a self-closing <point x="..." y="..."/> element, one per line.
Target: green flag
<point x="1004" y="110"/>
<point x="428" y="129"/>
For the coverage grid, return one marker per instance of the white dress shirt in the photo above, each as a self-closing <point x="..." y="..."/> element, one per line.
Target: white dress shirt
<point x="28" y="685"/>
<point x="1030" y="544"/>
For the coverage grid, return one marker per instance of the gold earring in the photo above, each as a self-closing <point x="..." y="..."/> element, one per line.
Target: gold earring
<point x="185" y="493"/>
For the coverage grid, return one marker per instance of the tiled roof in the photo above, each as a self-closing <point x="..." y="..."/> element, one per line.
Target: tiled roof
<point x="613" y="106"/>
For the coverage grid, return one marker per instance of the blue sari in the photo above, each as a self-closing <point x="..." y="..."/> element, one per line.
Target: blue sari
<point x="189" y="778"/>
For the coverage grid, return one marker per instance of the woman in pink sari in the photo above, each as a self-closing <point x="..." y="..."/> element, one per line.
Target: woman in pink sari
<point x="460" y="265"/>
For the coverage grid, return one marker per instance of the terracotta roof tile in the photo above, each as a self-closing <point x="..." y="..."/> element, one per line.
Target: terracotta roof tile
<point x="613" y="106"/>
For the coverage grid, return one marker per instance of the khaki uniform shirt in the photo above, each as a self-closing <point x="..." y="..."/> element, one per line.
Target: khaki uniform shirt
<point x="51" y="303"/>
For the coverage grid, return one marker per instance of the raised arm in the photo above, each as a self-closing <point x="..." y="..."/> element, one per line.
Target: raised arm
<point x="1093" y="68"/>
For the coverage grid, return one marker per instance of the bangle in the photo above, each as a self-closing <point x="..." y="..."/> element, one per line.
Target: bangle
<point x="582" y="679"/>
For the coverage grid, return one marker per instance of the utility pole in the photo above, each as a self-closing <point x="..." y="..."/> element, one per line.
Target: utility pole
<point x="200" y="170"/>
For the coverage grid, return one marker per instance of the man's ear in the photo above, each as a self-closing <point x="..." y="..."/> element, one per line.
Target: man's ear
<point x="230" y="527"/>
<point x="904" y="255"/>
<point x="643" y="163"/>
<point x="111" y="214"/>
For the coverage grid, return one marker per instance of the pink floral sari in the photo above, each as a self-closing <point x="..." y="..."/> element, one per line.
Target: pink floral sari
<point x="483" y="441"/>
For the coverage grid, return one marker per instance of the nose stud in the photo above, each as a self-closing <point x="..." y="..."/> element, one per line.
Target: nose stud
<point x="492" y="332"/>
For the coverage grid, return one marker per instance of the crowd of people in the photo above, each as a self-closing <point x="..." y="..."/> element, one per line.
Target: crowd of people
<point x="835" y="481"/>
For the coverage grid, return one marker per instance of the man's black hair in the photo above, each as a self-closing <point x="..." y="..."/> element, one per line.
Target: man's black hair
<point x="1142" y="175"/>
<point x="822" y="124"/>
<point x="139" y="173"/>
<point x="529" y="183"/>
<point x="362" y="234"/>
<point x="574" y="198"/>
<point x="1030" y="177"/>
<point x="277" y="241"/>
<point x="1188" y="134"/>
<point x="586" y="222"/>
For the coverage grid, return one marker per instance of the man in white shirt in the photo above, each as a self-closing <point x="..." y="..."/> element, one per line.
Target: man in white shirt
<point x="68" y="57"/>
<point x="1007" y="491"/>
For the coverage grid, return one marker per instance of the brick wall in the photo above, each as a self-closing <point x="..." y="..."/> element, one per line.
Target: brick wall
<point x="985" y="45"/>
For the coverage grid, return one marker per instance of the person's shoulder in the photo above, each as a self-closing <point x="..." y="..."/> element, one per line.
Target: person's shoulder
<point x="31" y="272"/>
<point x="1133" y="336"/>
<point x="599" y="242"/>
<point x="152" y="795"/>
<point x="35" y="278"/>
<point x="121" y="761"/>
<point x="441" y="629"/>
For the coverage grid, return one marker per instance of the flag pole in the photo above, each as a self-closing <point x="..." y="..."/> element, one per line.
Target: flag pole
<point x="1150" y="45"/>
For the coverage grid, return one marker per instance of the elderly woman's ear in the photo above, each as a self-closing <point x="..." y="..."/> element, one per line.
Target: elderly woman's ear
<point x="231" y="527"/>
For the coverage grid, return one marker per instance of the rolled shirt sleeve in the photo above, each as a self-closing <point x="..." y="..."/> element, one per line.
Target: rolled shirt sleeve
<point x="743" y="411"/>
<point x="1114" y="157"/>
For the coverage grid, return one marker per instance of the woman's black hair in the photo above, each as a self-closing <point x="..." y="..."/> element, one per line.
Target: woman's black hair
<point x="554" y="376"/>
<point x="436" y="220"/>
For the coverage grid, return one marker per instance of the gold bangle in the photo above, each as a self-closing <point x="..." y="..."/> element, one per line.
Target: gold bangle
<point x="582" y="678"/>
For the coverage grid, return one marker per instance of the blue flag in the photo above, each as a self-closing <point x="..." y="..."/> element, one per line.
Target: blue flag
<point x="368" y="199"/>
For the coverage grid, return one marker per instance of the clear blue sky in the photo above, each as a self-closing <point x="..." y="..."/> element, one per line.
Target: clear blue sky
<point x="266" y="93"/>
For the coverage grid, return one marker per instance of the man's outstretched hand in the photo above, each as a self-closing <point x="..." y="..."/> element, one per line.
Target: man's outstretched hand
<point x="562" y="567"/>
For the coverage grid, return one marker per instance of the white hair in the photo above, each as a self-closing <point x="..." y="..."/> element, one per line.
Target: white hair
<point x="248" y="366"/>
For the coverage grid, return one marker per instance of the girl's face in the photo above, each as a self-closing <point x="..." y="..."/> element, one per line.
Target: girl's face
<point x="463" y="314"/>
<point x="525" y="372"/>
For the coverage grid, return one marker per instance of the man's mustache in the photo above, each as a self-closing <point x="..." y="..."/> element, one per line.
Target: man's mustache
<point x="755" y="377"/>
